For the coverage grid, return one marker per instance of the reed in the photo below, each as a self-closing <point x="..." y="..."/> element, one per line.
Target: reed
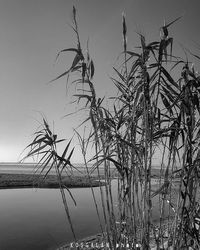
<point x="155" y="108"/>
<point x="44" y="148"/>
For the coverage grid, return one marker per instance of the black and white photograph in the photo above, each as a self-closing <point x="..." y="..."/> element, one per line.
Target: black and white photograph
<point x="99" y="124"/>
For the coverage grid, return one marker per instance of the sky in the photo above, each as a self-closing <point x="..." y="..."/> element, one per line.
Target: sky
<point x="32" y="32"/>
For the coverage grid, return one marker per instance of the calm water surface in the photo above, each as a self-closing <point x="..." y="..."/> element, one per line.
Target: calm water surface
<point x="35" y="218"/>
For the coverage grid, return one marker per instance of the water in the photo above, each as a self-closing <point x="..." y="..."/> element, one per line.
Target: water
<point x="35" y="219"/>
<point x="28" y="168"/>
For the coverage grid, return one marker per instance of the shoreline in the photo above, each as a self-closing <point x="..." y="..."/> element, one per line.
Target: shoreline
<point x="18" y="180"/>
<point x="97" y="241"/>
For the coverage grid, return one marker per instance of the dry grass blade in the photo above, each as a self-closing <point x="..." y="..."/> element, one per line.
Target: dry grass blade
<point x="66" y="50"/>
<point x="61" y="75"/>
<point x="172" y="22"/>
<point x="124" y="31"/>
<point x="72" y="197"/>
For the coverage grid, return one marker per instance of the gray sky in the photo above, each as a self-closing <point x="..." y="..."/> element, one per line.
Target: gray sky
<point x="33" y="31"/>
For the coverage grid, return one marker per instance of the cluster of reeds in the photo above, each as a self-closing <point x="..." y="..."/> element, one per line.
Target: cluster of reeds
<point x="44" y="148"/>
<point x="157" y="107"/>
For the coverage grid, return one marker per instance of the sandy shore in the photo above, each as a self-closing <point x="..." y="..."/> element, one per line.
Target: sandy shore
<point x="15" y="180"/>
<point x="98" y="242"/>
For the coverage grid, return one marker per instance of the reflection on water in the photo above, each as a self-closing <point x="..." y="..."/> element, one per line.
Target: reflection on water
<point x="35" y="218"/>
